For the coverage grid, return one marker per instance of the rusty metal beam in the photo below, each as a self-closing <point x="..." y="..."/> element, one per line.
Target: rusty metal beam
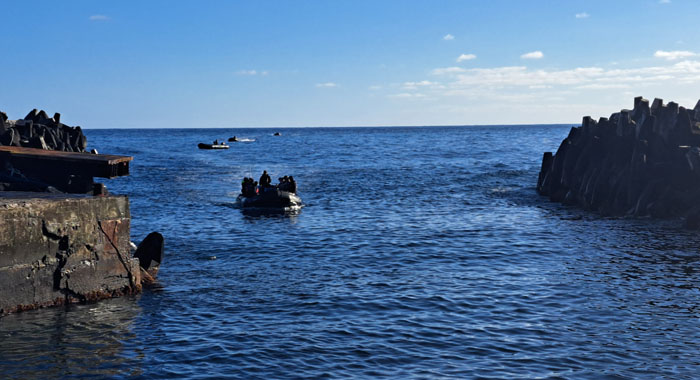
<point x="85" y="164"/>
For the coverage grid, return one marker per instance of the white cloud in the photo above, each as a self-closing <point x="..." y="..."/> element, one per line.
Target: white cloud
<point x="375" y="88"/>
<point x="466" y="57"/>
<point x="673" y="55"/>
<point x="407" y="95"/>
<point x="532" y="55"/>
<point x="326" y="85"/>
<point x="98" y="18"/>
<point x="421" y="83"/>
<point x="424" y="83"/>
<point x="448" y="70"/>
<point x="448" y="37"/>
<point x="543" y="95"/>
<point x="603" y="86"/>
<point x="582" y="77"/>
<point x="582" y="15"/>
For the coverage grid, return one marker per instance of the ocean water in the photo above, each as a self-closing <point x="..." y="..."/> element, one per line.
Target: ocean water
<point x="420" y="253"/>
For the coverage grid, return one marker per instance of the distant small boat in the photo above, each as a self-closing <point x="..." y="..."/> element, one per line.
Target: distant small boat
<point x="212" y="146"/>
<point x="277" y="134"/>
<point x="240" y="139"/>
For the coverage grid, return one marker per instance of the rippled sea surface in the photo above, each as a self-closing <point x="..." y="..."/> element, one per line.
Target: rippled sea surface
<point x="420" y="253"/>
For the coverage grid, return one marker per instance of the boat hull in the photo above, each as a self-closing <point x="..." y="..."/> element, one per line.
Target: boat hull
<point x="271" y="199"/>
<point x="211" y="146"/>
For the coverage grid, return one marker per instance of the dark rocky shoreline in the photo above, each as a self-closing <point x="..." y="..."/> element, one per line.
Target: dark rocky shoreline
<point x="639" y="162"/>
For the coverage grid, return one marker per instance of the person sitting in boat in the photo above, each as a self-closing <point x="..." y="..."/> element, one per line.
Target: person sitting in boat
<point x="247" y="187"/>
<point x="265" y="180"/>
<point x="282" y="183"/>
<point x="216" y="142"/>
<point x="234" y="138"/>
<point x="291" y="185"/>
<point x="244" y="187"/>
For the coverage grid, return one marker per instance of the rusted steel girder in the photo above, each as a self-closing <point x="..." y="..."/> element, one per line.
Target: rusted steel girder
<point x="83" y="164"/>
<point x="68" y="172"/>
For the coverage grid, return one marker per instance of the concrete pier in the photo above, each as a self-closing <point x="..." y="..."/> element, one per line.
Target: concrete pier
<point x="64" y="248"/>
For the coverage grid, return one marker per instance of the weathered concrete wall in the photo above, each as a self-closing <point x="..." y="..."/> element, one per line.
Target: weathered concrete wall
<point x="59" y="248"/>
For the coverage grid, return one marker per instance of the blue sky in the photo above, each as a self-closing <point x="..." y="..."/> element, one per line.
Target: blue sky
<point x="344" y="63"/>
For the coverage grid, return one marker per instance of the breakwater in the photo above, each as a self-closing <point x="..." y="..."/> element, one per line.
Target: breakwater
<point x="642" y="162"/>
<point x="38" y="130"/>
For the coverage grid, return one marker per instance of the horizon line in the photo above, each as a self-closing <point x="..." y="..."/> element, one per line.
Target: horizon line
<point x="347" y="126"/>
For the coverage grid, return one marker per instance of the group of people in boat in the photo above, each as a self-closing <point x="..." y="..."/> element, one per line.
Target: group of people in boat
<point x="287" y="183"/>
<point x="251" y="188"/>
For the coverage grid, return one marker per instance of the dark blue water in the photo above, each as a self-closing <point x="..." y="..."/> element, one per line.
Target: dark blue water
<point x="421" y="253"/>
